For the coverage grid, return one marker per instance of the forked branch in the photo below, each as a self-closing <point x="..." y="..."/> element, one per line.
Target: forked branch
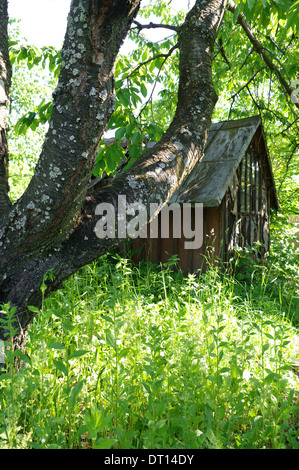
<point x="260" y="49"/>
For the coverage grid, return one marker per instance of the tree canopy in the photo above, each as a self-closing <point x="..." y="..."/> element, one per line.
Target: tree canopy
<point x="245" y="82"/>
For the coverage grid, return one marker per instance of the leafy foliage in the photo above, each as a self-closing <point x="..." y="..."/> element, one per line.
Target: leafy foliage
<point x="247" y="87"/>
<point x="30" y="109"/>
<point x="147" y="81"/>
<point x="142" y="358"/>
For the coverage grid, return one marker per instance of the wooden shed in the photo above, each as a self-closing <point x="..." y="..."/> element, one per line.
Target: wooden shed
<point x="235" y="184"/>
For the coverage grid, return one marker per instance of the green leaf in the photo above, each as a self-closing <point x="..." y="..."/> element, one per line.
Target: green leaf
<point x="147" y="388"/>
<point x="118" y="84"/>
<point x="136" y="137"/>
<point x="81" y="431"/>
<point x="33" y="309"/>
<point x="124" y="97"/>
<point x="238" y="10"/>
<point x="154" y="131"/>
<point x="101" y="154"/>
<point x="123" y="353"/>
<point x="135" y="151"/>
<point x="110" y="340"/>
<point x="79" y="353"/>
<point x="224" y="370"/>
<point x="160" y="424"/>
<point x="116" y="152"/>
<point x="5" y="376"/>
<point x="159" y="62"/>
<point x="75" y="392"/>
<point x="220" y="355"/>
<point x="211" y="404"/>
<point x="120" y="133"/>
<point x="23" y="356"/>
<point x="135" y="98"/>
<point x="131" y="162"/>
<point x="56" y="346"/>
<point x="99" y="168"/>
<point x="109" y="319"/>
<point x="292" y="20"/>
<point x="143" y="89"/>
<point x="129" y="130"/>
<point x="104" y="443"/>
<point x="272" y="377"/>
<point x="205" y="318"/>
<point x="110" y="162"/>
<point x="60" y="366"/>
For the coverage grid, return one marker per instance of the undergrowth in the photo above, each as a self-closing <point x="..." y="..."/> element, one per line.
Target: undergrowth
<point x="129" y="357"/>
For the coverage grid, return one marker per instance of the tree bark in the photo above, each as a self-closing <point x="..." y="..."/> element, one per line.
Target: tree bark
<point x="52" y="226"/>
<point x="5" y="79"/>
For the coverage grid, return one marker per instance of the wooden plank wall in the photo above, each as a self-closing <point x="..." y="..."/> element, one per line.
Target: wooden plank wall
<point x="160" y="250"/>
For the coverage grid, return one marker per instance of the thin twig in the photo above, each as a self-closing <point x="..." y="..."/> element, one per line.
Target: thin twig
<point x="247" y="57"/>
<point x="287" y="128"/>
<point x="248" y="82"/>
<point x="288" y="164"/>
<point x="166" y="55"/>
<point x="274" y="44"/>
<point x="159" y="71"/>
<point x="277" y="59"/>
<point x="151" y="25"/>
<point x="222" y="52"/>
<point x="255" y="102"/>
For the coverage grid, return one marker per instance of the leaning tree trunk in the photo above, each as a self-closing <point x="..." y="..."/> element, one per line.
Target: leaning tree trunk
<point x="51" y="227"/>
<point x="5" y="78"/>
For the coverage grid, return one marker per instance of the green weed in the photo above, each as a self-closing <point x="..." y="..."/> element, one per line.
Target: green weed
<point x="139" y="357"/>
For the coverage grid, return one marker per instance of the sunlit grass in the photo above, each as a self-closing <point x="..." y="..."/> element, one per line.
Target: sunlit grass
<point x="129" y="357"/>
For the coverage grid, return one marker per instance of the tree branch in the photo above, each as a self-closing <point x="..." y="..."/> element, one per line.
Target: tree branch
<point x="151" y="25"/>
<point x="248" y="82"/>
<point x="247" y="57"/>
<point x="288" y="127"/>
<point x="5" y="80"/>
<point x="287" y="165"/>
<point x="260" y="49"/>
<point x="148" y="61"/>
<point x="159" y="71"/>
<point x="222" y="52"/>
<point x="274" y="44"/>
<point x="277" y="60"/>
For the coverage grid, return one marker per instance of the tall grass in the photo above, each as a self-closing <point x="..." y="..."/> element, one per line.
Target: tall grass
<point x="131" y="357"/>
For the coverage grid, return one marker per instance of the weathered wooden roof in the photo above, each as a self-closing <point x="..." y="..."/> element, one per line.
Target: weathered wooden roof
<point x="226" y="145"/>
